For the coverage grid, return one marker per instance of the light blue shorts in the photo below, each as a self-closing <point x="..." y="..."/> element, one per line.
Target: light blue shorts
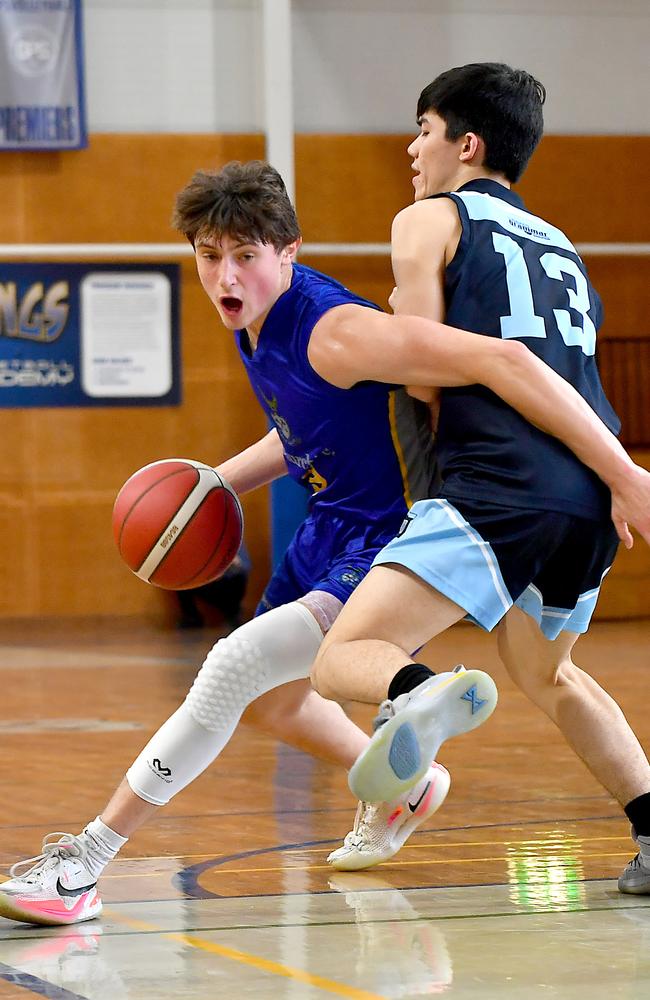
<point x="486" y="557"/>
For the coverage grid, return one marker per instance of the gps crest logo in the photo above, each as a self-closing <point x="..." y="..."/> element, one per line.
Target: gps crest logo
<point x="39" y="314"/>
<point x="33" y="50"/>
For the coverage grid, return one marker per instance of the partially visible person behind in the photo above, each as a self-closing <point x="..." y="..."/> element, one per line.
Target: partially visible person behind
<point x="520" y="534"/>
<point x="324" y="364"/>
<point x="219" y="601"/>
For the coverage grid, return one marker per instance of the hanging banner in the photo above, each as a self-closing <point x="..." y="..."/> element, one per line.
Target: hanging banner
<point x="89" y="335"/>
<point x="41" y="75"/>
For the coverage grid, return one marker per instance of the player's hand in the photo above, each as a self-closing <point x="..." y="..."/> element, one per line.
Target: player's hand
<point x="392" y="299"/>
<point x="424" y="393"/>
<point x="631" y="505"/>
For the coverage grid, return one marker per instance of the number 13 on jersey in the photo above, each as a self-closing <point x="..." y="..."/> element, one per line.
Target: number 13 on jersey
<point x="523" y="320"/>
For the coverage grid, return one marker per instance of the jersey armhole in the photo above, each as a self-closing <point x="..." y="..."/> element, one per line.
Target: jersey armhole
<point x="465" y="240"/>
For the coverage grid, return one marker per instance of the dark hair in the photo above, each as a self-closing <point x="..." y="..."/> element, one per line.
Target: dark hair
<point x="247" y="201"/>
<point x="501" y="104"/>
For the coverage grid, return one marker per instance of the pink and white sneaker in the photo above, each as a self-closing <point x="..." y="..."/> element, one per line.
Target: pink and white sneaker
<point x="57" y="889"/>
<point x="381" y="828"/>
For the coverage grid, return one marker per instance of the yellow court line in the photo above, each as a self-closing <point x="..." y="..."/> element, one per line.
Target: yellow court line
<point x="255" y="961"/>
<point x="395" y="864"/>
<point x="319" y="850"/>
<point x="474" y="843"/>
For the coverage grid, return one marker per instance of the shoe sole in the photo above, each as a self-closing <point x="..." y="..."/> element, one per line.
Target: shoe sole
<point x="634" y="890"/>
<point x="10" y="910"/>
<point x="400" y="752"/>
<point x="356" y="861"/>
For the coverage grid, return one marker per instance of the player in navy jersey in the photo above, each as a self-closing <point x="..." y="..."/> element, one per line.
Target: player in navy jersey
<point x="519" y="536"/>
<point x="323" y="363"/>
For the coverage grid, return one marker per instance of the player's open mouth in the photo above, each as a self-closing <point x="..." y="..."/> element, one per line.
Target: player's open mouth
<point x="230" y="305"/>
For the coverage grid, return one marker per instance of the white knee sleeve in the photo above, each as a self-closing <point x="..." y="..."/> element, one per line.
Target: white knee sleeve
<point x="278" y="647"/>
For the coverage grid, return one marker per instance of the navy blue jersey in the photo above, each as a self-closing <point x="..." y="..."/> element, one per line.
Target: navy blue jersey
<point x="516" y="276"/>
<point x="365" y="451"/>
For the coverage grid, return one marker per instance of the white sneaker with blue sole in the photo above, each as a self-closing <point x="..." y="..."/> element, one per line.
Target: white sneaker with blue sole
<point x="411" y="730"/>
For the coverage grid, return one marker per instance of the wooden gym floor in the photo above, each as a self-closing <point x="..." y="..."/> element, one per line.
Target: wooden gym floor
<point x="508" y="891"/>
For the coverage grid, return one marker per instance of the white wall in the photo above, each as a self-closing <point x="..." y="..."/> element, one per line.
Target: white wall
<point x="195" y="65"/>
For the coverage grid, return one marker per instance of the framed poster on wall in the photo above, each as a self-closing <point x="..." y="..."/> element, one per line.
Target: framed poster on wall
<point x="89" y="335"/>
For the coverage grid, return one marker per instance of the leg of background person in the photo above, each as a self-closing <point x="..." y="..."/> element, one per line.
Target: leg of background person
<point x="390" y="614"/>
<point x="297" y="715"/>
<point x="589" y="719"/>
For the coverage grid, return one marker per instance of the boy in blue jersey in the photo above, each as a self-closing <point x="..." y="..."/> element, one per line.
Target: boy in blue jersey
<point x="520" y="535"/>
<point x="323" y="363"/>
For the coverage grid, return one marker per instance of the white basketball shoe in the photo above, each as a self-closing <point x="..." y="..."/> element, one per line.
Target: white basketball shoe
<point x="380" y="829"/>
<point x="57" y="889"/>
<point x="635" y="877"/>
<point x="411" y="729"/>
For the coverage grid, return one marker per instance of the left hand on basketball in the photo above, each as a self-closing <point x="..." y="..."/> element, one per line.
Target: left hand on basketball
<point x="631" y="505"/>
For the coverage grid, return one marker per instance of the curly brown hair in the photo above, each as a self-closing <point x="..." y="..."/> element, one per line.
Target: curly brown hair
<point x="246" y="201"/>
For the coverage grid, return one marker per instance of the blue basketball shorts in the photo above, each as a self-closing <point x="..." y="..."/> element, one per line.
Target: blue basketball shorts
<point x="328" y="552"/>
<point x="486" y="557"/>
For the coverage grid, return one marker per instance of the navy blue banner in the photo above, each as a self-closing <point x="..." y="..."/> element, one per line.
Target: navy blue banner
<point x="89" y="335"/>
<point x="41" y="75"/>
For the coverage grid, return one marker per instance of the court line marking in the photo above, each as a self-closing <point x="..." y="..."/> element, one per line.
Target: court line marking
<point x="25" y="981"/>
<point x="255" y="961"/>
<point x="534" y="911"/>
<point x="549" y="844"/>
<point x="187" y="880"/>
<point x="142" y="927"/>
<point x="404" y="864"/>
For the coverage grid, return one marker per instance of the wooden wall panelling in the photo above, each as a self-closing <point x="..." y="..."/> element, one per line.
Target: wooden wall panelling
<point x="120" y="189"/>
<point x="348" y="187"/>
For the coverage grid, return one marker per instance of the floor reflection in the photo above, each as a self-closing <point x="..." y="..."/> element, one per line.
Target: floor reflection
<point x="398" y="954"/>
<point x="546" y="873"/>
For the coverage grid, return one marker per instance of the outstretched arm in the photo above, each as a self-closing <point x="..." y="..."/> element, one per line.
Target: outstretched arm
<point x="352" y="343"/>
<point x="255" y="466"/>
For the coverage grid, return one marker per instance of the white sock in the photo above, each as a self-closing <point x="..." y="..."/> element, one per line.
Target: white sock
<point x="102" y="844"/>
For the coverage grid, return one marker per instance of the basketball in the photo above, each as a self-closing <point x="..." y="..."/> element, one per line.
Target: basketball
<point x="177" y="524"/>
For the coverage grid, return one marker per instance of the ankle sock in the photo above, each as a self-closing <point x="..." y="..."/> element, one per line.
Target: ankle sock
<point x="638" y="813"/>
<point x="102" y="844"/>
<point x="407" y="678"/>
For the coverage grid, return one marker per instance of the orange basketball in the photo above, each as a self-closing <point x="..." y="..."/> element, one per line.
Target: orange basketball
<point x="177" y="523"/>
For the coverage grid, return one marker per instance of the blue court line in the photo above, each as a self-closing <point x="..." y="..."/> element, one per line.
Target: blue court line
<point x="187" y="880"/>
<point x="36" y="985"/>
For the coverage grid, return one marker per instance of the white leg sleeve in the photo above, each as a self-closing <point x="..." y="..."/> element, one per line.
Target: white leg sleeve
<point x="278" y="647"/>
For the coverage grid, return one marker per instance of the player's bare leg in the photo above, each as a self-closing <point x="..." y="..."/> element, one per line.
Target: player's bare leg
<point x="590" y="721"/>
<point x="588" y="718"/>
<point x="391" y="614"/>
<point x="367" y="654"/>
<point x="297" y="715"/>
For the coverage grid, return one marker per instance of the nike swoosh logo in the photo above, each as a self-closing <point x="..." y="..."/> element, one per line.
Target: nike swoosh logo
<point x="412" y="807"/>
<point x="62" y="891"/>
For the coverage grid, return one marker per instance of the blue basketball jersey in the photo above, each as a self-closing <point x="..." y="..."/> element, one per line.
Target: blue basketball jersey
<point x="516" y="276"/>
<point x="365" y="451"/>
